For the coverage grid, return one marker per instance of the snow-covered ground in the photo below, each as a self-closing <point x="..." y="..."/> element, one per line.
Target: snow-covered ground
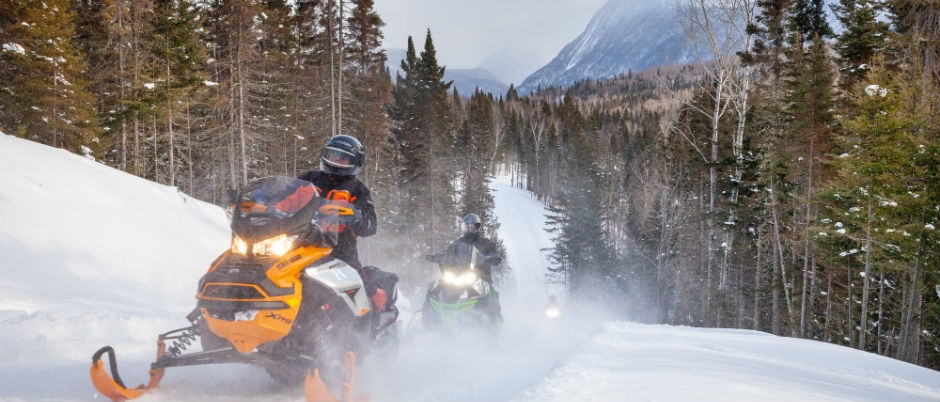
<point x="90" y="256"/>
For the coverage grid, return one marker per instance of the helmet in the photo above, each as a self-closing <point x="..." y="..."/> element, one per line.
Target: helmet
<point x="342" y="155"/>
<point x="472" y="223"/>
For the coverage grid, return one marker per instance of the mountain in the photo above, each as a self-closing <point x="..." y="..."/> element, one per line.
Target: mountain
<point x="393" y="58"/>
<point x="465" y="80"/>
<point x="623" y="36"/>
<point x="468" y="80"/>
<point x="513" y="64"/>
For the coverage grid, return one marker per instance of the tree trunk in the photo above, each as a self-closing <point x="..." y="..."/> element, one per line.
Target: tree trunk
<point x="863" y="318"/>
<point x="758" y="279"/>
<point x="339" y="72"/>
<point x="805" y="299"/>
<point x="779" y="270"/>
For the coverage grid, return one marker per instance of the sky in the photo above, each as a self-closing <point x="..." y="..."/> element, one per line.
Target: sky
<point x="91" y="256"/>
<point x="467" y="32"/>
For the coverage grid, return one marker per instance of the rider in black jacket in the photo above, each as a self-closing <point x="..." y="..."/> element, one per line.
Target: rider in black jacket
<point x="486" y="247"/>
<point x="340" y="162"/>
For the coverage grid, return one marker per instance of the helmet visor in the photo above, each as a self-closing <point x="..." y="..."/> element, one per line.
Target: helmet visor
<point x="339" y="158"/>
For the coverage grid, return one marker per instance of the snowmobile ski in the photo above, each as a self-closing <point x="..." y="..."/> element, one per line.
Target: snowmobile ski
<point x="315" y="390"/>
<point x="111" y="386"/>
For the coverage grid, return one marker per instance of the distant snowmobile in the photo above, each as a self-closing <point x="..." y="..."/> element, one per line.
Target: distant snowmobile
<point x="459" y="298"/>
<point x="552" y="309"/>
<point x="276" y="299"/>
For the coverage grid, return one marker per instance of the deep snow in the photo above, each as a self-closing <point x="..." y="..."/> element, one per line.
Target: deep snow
<point x="91" y="256"/>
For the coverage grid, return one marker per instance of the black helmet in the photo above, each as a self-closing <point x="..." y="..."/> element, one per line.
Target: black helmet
<point x="342" y="155"/>
<point x="472" y="223"/>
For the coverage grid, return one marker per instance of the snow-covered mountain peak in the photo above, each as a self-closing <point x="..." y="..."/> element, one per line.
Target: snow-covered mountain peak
<point x="623" y="36"/>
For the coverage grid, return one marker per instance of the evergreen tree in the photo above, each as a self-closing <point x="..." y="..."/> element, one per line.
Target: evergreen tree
<point x="863" y="37"/>
<point x="179" y="59"/>
<point x="369" y="85"/>
<point x="770" y="32"/>
<point x="875" y="208"/>
<point x="421" y="144"/>
<point x="809" y="19"/>
<point x="231" y="28"/>
<point x="809" y="100"/>
<point x="113" y="37"/>
<point x="311" y="110"/>
<point x="45" y="95"/>
<point x="582" y="255"/>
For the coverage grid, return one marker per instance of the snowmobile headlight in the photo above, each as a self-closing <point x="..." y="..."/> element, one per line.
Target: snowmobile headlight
<point x="464" y="279"/>
<point x="239" y="246"/>
<point x="272" y="247"/>
<point x="552" y="312"/>
<point x="275" y="246"/>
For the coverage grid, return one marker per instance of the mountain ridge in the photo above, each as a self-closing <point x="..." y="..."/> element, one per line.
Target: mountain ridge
<point x="623" y="36"/>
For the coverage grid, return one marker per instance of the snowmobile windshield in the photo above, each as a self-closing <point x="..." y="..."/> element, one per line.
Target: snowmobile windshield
<point x="277" y="196"/>
<point x="459" y="256"/>
<point x="273" y="206"/>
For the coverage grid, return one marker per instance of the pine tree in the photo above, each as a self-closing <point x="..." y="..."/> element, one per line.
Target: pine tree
<point x="231" y="28"/>
<point x="421" y="144"/>
<point x="864" y="36"/>
<point x="311" y="110"/>
<point x="809" y="19"/>
<point x="368" y="84"/>
<point x="809" y="99"/>
<point x="582" y="255"/>
<point x="179" y="58"/>
<point x="45" y="95"/>
<point x="112" y="34"/>
<point x="875" y="210"/>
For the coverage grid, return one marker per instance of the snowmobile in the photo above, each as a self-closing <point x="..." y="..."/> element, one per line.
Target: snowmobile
<point x="460" y="298"/>
<point x="552" y="309"/>
<point x="276" y="299"/>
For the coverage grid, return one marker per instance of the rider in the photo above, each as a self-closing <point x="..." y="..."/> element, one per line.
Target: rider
<point x="341" y="159"/>
<point x="487" y="250"/>
<point x="472" y="224"/>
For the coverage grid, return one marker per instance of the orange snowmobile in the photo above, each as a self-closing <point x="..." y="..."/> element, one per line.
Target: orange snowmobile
<point x="276" y="299"/>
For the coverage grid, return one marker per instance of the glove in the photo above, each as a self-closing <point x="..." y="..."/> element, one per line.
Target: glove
<point x="352" y="219"/>
<point x="339" y="223"/>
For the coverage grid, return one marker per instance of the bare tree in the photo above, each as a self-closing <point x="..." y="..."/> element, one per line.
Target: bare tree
<point x="709" y="25"/>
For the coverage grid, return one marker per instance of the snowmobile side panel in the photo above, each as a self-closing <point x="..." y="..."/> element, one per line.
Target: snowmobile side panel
<point x="338" y="275"/>
<point x="285" y="273"/>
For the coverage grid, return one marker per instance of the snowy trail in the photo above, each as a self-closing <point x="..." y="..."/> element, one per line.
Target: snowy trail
<point x="521" y="219"/>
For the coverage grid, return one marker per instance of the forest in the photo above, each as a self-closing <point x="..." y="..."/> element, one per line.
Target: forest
<point x="790" y="183"/>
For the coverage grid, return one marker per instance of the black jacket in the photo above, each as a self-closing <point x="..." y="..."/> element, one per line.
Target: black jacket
<point x="346" y="248"/>
<point x="487" y="248"/>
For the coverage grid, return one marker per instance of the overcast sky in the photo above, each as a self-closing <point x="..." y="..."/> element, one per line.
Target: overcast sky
<point x="466" y="32"/>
